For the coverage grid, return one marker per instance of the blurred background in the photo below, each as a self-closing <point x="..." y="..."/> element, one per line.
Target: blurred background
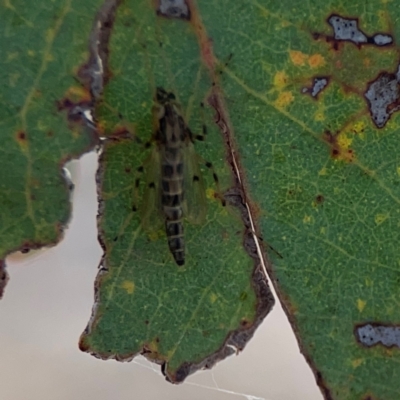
<point x="47" y="304"/>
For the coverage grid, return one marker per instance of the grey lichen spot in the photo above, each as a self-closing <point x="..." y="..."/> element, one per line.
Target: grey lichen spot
<point x="382" y="40"/>
<point x="370" y="335"/>
<point x="174" y="9"/>
<point x="383" y="97"/>
<point x="347" y="29"/>
<point x="318" y="86"/>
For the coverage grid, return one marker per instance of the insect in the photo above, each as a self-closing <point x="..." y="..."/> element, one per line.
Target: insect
<point x="176" y="187"/>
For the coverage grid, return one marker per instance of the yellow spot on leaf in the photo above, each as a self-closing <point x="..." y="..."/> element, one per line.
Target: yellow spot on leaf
<point x="280" y="79"/>
<point x="210" y="194"/>
<point x="322" y="231"/>
<point x="361" y="305"/>
<point x="153" y="346"/>
<point x="319" y="116"/>
<point x="31" y="53"/>
<point x="129" y="286"/>
<point x="297" y="57"/>
<point x="344" y="141"/>
<point x="284" y="99"/>
<point x="213" y="297"/>
<point x="154" y="235"/>
<point x="308" y="219"/>
<point x="316" y="61"/>
<point x="398" y="170"/>
<point x="379" y="218"/>
<point x="77" y="91"/>
<point x="359" y="127"/>
<point x="357" y="362"/>
<point x="322" y="171"/>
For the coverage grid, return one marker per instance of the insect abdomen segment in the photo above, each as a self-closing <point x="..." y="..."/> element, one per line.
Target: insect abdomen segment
<point x="172" y="199"/>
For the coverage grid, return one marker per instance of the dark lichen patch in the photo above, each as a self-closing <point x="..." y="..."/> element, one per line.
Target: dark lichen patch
<point x="346" y="29"/>
<point x="382" y="95"/>
<point x="373" y="334"/>
<point x="173" y="9"/>
<point x="319" y="84"/>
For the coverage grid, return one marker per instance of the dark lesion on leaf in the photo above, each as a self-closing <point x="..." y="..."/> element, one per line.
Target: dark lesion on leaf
<point x="319" y="83"/>
<point x="78" y="112"/>
<point x="21" y="137"/>
<point x="383" y="97"/>
<point x="346" y="29"/>
<point x="373" y="333"/>
<point x="336" y="150"/>
<point x="178" y="9"/>
<point x="319" y="199"/>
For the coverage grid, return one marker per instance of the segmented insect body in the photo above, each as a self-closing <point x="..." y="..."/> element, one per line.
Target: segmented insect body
<point x="178" y="175"/>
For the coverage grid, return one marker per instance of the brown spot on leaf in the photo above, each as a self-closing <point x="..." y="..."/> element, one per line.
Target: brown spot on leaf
<point x="83" y="344"/>
<point x="337" y="151"/>
<point x="319" y="199"/>
<point x="21" y="136"/>
<point x="244" y="323"/>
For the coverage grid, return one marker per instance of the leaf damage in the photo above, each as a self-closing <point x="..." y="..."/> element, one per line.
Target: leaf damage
<point x="373" y="334"/>
<point x="346" y="29"/>
<point x="319" y="84"/>
<point x="383" y="97"/>
<point x="337" y="150"/>
<point x="178" y="9"/>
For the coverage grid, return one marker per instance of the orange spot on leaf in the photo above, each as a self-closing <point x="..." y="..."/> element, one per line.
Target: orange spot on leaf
<point x="297" y="57"/>
<point x="316" y="61"/>
<point x="284" y="99"/>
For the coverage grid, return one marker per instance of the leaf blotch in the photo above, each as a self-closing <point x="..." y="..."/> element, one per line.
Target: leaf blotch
<point x="338" y="144"/>
<point x="372" y="334"/>
<point x="21" y="136"/>
<point x="319" y="84"/>
<point x="319" y="199"/>
<point x="177" y="9"/>
<point x="383" y="97"/>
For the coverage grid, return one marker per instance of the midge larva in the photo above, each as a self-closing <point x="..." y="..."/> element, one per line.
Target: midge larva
<point x="175" y="185"/>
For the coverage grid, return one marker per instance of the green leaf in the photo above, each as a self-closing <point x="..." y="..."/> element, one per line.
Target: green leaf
<point x="42" y="46"/>
<point x="325" y="177"/>
<point x="184" y="317"/>
<point x="319" y="156"/>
